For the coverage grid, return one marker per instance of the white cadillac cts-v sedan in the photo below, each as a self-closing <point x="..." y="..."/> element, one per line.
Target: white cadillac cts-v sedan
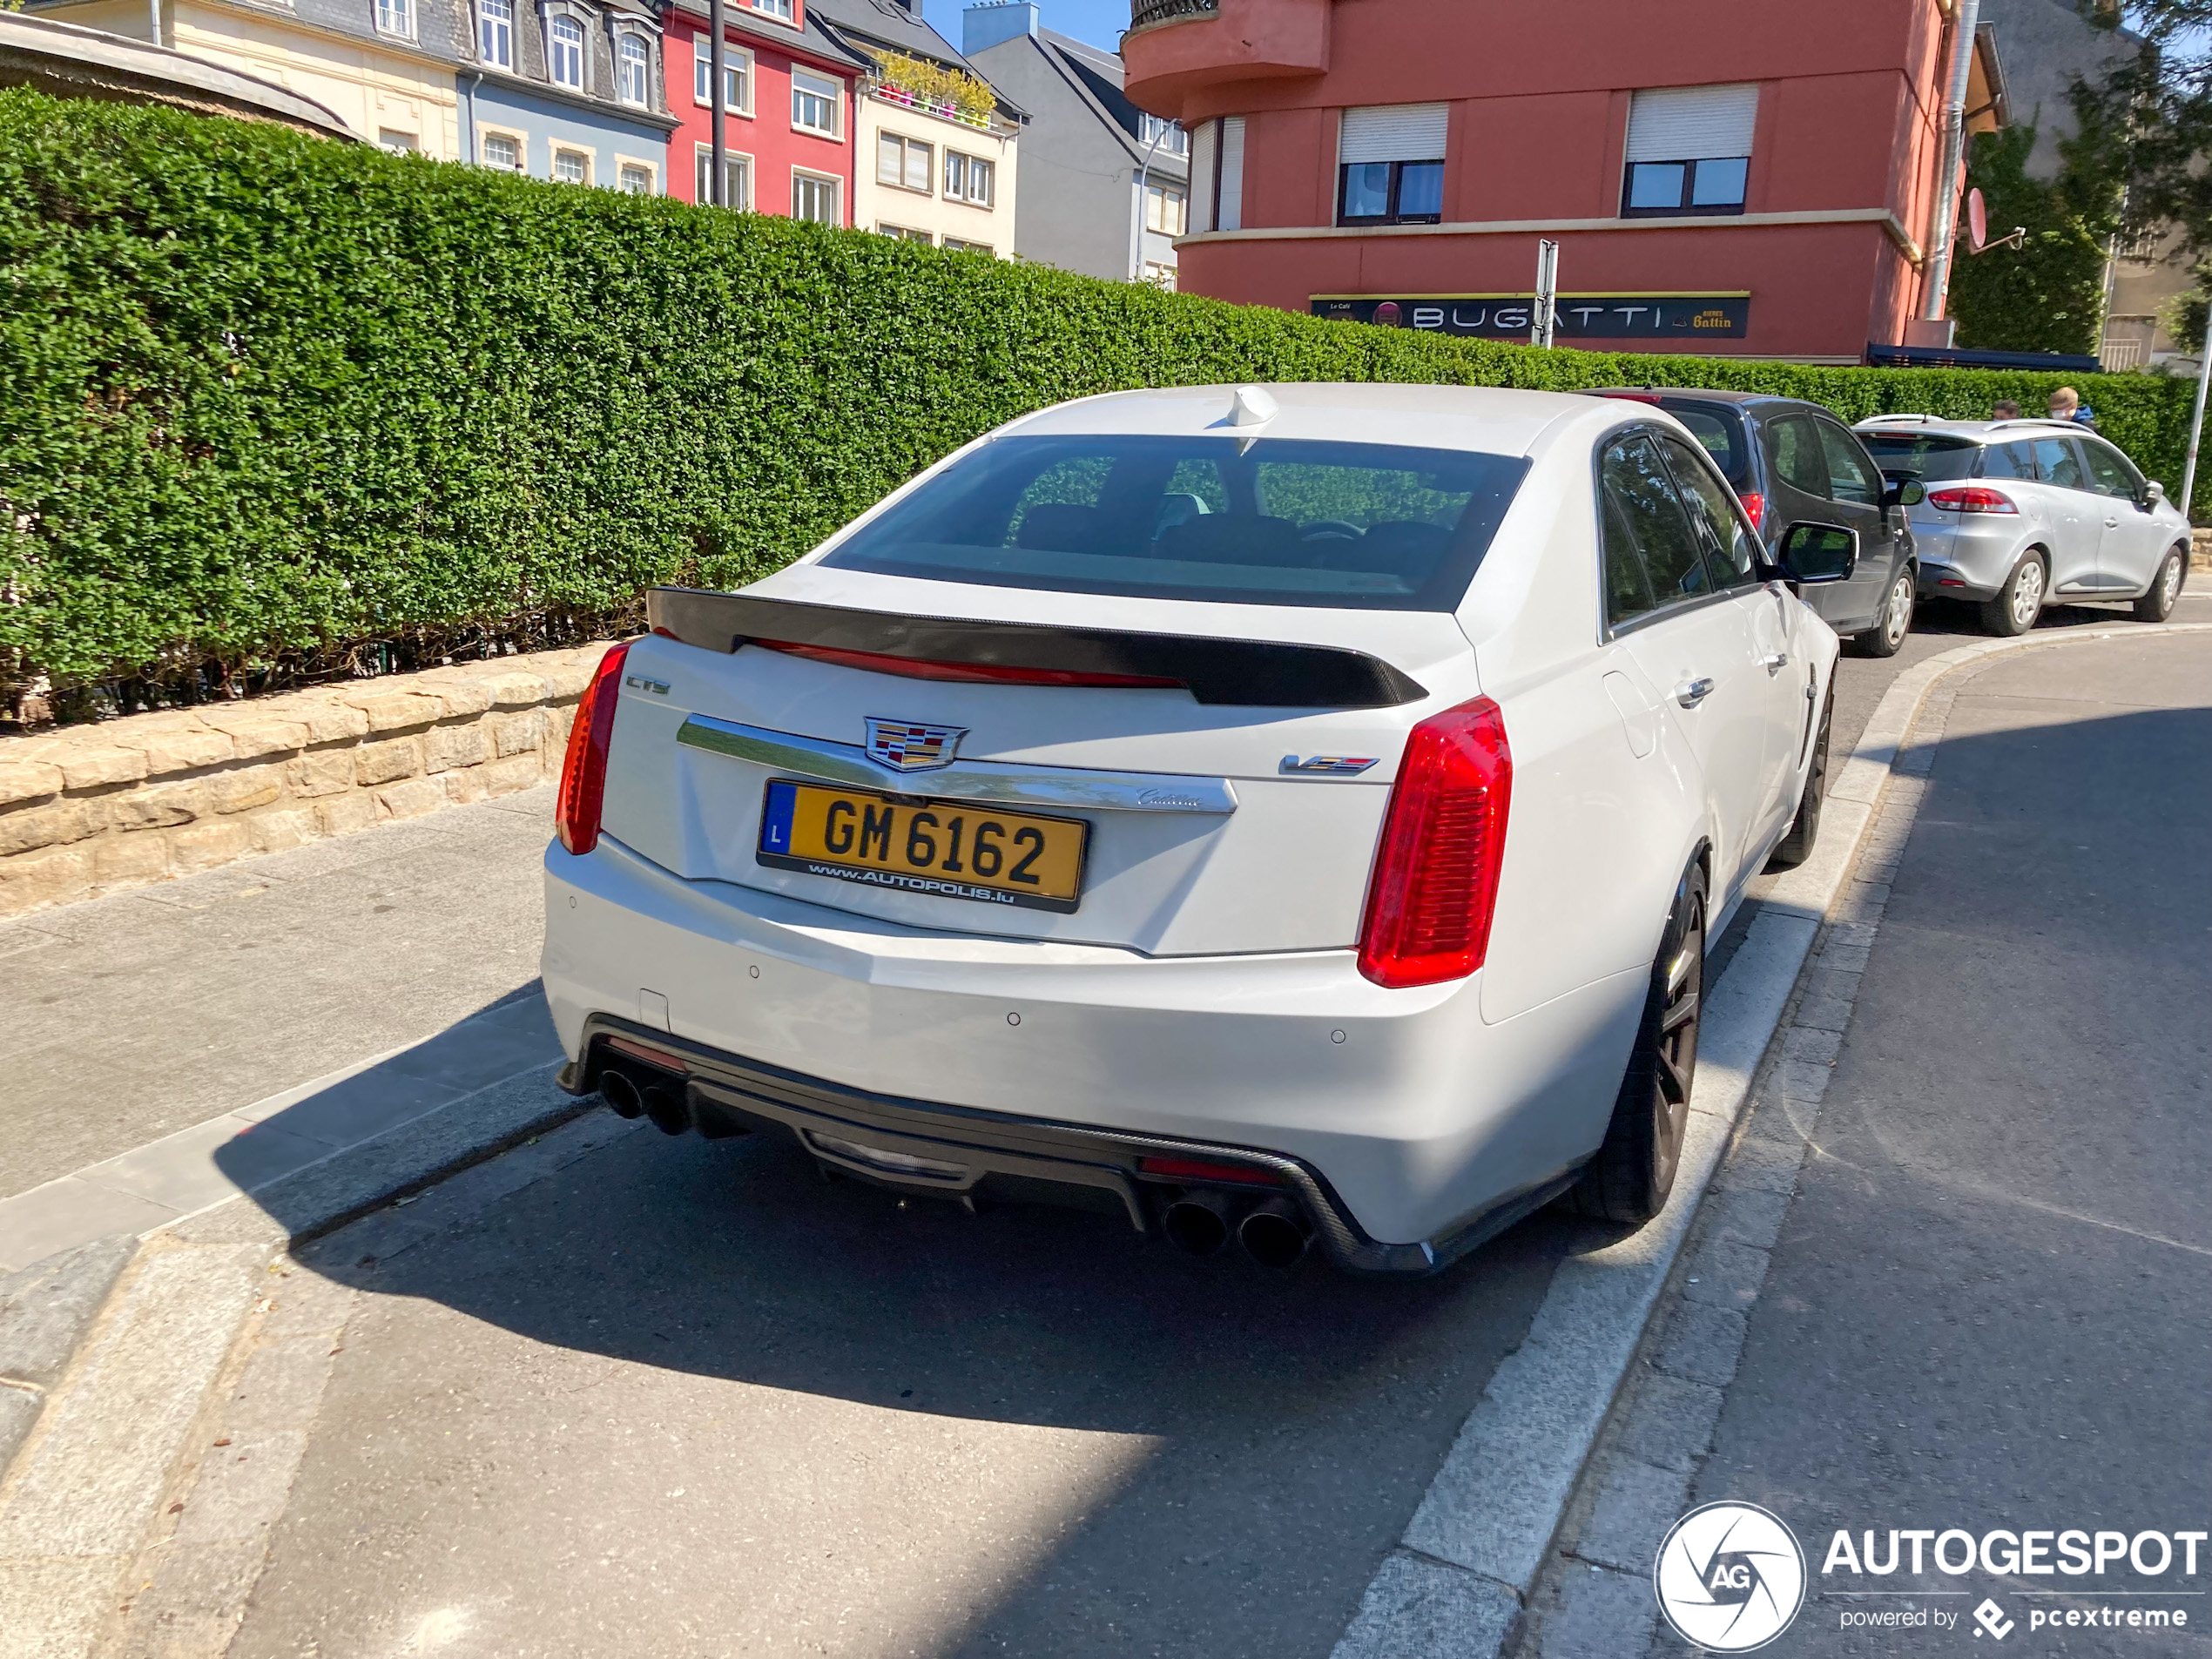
<point x="1287" y="815"/>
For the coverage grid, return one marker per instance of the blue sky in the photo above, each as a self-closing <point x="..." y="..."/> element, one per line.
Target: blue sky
<point x="1100" y="22"/>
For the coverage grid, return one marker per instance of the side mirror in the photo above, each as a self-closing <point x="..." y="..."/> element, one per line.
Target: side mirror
<point x="1811" y="554"/>
<point x="2153" y="493"/>
<point x="1906" y="492"/>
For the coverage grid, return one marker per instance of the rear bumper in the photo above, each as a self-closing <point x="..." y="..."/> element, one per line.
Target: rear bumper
<point x="975" y="1157"/>
<point x="1416" y="1129"/>
<point x="1969" y="556"/>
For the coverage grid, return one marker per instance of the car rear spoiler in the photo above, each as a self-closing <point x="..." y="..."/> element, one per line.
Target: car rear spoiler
<point x="1249" y="673"/>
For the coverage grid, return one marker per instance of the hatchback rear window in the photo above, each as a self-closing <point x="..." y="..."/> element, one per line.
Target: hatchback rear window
<point x="1933" y="460"/>
<point x="1275" y="521"/>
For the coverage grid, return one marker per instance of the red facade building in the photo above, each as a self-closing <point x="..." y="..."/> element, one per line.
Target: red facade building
<point x="1721" y="178"/>
<point x="788" y="103"/>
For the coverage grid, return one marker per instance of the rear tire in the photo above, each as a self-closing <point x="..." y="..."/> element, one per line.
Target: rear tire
<point x="1796" y="847"/>
<point x="2020" y="602"/>
<point x="1890" y="628"/>
<point x="2158" y="603"/>
<point x="1634" y="1171"/>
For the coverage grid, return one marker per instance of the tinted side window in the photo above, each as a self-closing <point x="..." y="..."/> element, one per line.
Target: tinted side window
<point x="2007" y="460"/>
<point x="1728" y="545"/>
<point x="1849" y="476"/>
<point x="1798" y="460"/>
<point x="1645" y="513"/>
<point x="1722" y="438"/>
<point x="2113" y="475"/>
<point x="2055" y="463"/>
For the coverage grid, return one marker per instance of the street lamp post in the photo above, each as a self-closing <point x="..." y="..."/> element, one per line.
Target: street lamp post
<point x="2196" y="424"/>
<point x="718" y="58"/>
<point x="1143" y="184"/>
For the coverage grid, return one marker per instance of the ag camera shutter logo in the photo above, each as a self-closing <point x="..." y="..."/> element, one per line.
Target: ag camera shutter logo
<point x="1729" y="1577"/>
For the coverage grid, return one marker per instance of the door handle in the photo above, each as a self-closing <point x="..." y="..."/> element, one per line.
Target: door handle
<point x="1774" y="662"/>
<point x="2112" y="523"/>
<point x="1690" y="693"/>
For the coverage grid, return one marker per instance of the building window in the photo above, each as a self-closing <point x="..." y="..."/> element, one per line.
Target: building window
<point x="1690" y="149"/>
<point x="396" y="18"/>
<point x="1159" y="275"/>
<point x="814" y="198"/>
<point x="1217" y="173"/>
<point x="400" y="143"/>
<point x="737" y="75"/>
<point x="953" y="244"/>
<point x="905" y="163"/>
<point x="632" y="73"/>
<point x="813" y="104"/>
<point x="1168" y="135"/>
<point x="496" y="32"/>
<point x="571" y="167"/>
<point x="1166" y="210"/>
<point x="503" y="151"/>
<point x="564" y="52"/>
<point x="779" y="8"/>
<point x="636" y="179"/>
<point x="901" y="232"/>
<point x="968" y="179"/>
<point x="736" y="178"/>
<point x="1390" y="165"/>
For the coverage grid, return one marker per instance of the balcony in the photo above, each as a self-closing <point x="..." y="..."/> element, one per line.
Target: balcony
<point x="1176" y="52"/>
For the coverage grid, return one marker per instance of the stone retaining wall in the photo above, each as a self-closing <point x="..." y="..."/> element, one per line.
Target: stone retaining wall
<point x="93" y="809"/>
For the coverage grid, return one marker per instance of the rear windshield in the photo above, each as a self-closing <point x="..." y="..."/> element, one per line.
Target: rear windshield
<point x="1271" y="521"/>
<point x="1721" y="434"/>
<point x="1933" y="460"/>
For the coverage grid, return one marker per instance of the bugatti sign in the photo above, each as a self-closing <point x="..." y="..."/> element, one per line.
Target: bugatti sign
<point x="1575" y="317"/>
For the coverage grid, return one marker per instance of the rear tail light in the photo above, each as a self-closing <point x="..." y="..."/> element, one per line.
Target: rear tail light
<point x="1754" y="508"/>
<point x="583" y="771"/>
<point x="914" y="668"/>
<point x="1971" y="498"/>
<point x="1436" y="877"/>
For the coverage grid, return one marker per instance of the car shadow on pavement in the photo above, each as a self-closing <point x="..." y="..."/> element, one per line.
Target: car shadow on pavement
<point x="1272" y="1431"/>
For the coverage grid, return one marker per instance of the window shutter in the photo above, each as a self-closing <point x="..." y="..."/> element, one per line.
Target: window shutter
<point x="1393" y="132"/>
<point x="1230" y="214"/>
<point x="1692" y="123"/>
<point x="1205" y="156"/>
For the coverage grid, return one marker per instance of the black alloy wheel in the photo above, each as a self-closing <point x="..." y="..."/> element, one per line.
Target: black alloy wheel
<point x="1634" y="1171"/>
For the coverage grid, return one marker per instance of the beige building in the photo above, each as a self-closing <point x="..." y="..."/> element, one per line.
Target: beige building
<point x="371" y="62"/>
<point x="933" y="173"/>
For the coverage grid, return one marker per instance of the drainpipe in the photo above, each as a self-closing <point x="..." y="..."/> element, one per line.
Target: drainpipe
<point x="154" y="7"/>
<point x="469" y="114"/>
<point x="1937" y="286"/>
<point x="717" y="60"/>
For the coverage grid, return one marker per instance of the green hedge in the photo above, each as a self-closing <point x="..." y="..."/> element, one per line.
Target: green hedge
<point x="268" y="402"/>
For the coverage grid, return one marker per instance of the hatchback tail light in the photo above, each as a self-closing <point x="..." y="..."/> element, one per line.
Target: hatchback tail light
<point x="1971" y="498"/>
<point x="1754" y="508"/>
<point x="584" y="771"/>
<point x="1436" y="877"/>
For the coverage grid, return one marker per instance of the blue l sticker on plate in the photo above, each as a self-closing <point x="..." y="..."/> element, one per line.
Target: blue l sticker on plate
<point x="775" y="818"/>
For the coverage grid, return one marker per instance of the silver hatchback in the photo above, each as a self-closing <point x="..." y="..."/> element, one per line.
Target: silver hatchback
<point x="2020" y="514"/>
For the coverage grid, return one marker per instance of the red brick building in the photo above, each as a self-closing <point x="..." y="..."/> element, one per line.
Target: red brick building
<point x="1721" y="178"/>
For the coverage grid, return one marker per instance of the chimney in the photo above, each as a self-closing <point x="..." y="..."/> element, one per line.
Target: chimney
<point x="993" y="21"/>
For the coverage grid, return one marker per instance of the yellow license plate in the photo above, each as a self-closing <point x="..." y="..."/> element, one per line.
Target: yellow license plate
<point x="951" y="849"/>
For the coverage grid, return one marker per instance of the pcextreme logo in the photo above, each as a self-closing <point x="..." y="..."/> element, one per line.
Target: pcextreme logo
<point x="1729" y="1577"/>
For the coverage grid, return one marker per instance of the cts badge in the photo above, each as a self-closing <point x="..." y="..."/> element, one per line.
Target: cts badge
<point x="1328" y="765"/>
<point x="904" y="747"/>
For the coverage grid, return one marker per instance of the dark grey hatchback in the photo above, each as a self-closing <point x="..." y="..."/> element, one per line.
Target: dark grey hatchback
<point x="1790" y="461"/>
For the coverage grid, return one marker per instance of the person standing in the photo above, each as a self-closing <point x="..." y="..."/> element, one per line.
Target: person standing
<point x="2067" y="405"/>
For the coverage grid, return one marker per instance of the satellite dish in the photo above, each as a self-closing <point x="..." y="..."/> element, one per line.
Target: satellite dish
<point x="1977" y="221"/>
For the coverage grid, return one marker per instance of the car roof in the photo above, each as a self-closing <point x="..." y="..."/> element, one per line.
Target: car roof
<point x="1490" y="419"/>
<point x="1708" y="394"/>
<point x="1906" y="426"/>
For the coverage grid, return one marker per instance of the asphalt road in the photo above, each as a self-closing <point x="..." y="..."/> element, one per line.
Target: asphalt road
<point x="1989" y="1306"/>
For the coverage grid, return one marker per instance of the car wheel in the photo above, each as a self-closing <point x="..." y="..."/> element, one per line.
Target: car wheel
<point x="2158" y="603"/>
<point x="1634" y="1171"/>
<point x="2019" y="601"/>
<point x="1894" y="624"/>
<point x="1796" y="847"/>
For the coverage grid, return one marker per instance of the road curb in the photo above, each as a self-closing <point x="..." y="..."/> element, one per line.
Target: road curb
<point x="1459" y="1583"/>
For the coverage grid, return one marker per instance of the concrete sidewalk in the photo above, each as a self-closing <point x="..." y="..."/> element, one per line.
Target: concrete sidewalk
<point x="348" y="988"/>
